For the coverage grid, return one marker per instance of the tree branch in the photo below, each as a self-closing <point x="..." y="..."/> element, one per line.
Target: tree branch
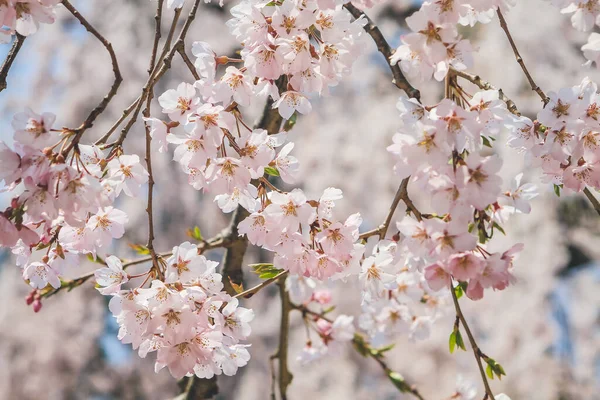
<point x="146" y="113"/>
<point x="592" y="199"/>
<point x="157" y="73"/>
<point x="401" y="194"/>
<point x="10" y="58"/>
<point x="534" y="86"/>
<point x="285" y="376"/>
<point x="216" y="242"/>
<point x="188" y="62"/>
<point x="246" y="294"/>
<point x="477" y="81"/>
<point x="476" y="351"/>
<point x="384" y="48"/>
<point x="115" y="86"/>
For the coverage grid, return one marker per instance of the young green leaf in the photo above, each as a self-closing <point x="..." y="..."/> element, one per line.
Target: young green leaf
<point x="140" y="249"/>
<point x="459" y="341"/>
<point x="452" y="342"/>
<point x="271" y="171"/>
<point x="489" y="372"/>
<point x="557" y="190"/>
<point x="399" y="382"/>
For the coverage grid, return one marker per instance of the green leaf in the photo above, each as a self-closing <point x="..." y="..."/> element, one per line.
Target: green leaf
<point x="265" y="270"/>
<point x="271" y="171"/>
<point x="269" y="274"/>
<point x="359" y="344"/>
<point x="140" y="249"/>
<point x="237" y="288"/>
<point x="399" y="382"/>
<point x="452" y="342"/>
<point x="459" y="291"/>
<point x="260" y="267"/>
<point x="489" y="372"/>
<point x="97" y="260"/>
<point x="380" y="351"/>
<point x="495" y="225"/>
<point x="459" y="341"/>
<point x="289" y="124"/>
<point x="328" y="310"/>
<point x="557" y="189"/>
<point x="495" y="368"/>
<point x="482" y="236"/>
<point x="195" y="233"/>
<point x="486" y="141"/>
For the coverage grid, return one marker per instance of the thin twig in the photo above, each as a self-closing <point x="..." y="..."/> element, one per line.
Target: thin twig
<point x="188" y="62"/>
<point x="534" y="86"/>
<point x="477" y="81"/>
<point x="285" y="376"/>
<point x="166" y="57"/>
<point x="146" y="113"/>
<point x="246" y="294"/>
<point x="384" y="48"/>
<point x="476" y="351"/>
<point x="401" y="194"/>
<point x="219" y="241"/>
<point x="592" y="199"/>
<point x="89" y="121"/>
<point x="10" y="58"/>
<point x="366" y="350"/>
<point x="273" y="375"/>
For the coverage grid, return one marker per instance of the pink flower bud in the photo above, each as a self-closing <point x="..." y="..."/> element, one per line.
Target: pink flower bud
<point x="37" y="305"/>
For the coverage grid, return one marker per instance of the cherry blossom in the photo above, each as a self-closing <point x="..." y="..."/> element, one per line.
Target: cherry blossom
<point x="111" y="277"/>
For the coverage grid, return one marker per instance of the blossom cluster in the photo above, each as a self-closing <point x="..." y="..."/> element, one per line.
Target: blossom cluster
<point x="312" y="43"/>
<point x="187" y="318"/>
<point x="62" y="207"/>
<point x="434" y="45"/>
<point x="585" y="14"/>
<point x="396" y="299"/>
<point x="226" y="158"/>
<point x="564" y="139"/>
<point x="438" y="148"/>
<point x="24" y="16"/>
<point x="325" y="337"/>
<point x="63" y="203"/>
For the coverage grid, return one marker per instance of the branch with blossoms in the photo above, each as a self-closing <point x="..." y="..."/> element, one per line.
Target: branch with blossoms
<point x="186" y="308"/>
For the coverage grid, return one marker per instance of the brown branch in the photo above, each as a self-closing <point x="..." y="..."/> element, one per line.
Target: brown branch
<point x="188" y="62"/>
<point x="476" y="351"/>
<point x="197" y="389"/>
<point x="166" y="56"/>
<point x="234" y="255"/>
<point x="89" y="121"/>
<point x="246" y="294"/>
<point x="477" y="81"/>
<point x="534" y="86"/>
<point x="592" y="199"/>
<point x="10" y="58"/>
<point x="146" y="113"/>
<point x="285" y="376"/>
<point x="384" y="48"/>
<point x="401" y="194"/>
<point x="135" y="107"/>
<point x="219" y="241"/>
